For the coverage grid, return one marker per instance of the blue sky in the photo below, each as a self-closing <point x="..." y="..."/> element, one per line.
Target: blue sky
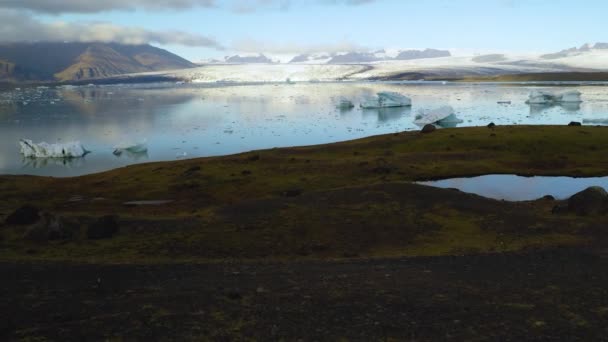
<point x="314" y="25"/>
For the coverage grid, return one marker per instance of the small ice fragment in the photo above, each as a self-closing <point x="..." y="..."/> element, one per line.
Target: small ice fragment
<point x="131" y="147"/>
<point x="44" y="150"/>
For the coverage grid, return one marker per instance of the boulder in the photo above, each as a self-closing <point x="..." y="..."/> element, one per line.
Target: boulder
<point x="103" y="228"/>
<point x="51" y="227"/>
<point x="591" y="201"/>
<point x="428" y="128"/>
<point x="26" y="215"/>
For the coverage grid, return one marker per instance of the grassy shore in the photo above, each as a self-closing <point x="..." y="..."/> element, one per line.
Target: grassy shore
<point x="342" y="200"/>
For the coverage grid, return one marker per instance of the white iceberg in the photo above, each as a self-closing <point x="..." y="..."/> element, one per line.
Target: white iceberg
<point x="73" y="149"/>
<point x="549" y="98"/>
<point x="130" y="147"/>
<point x="442" y="116"/>
<point x="387" y="99"/>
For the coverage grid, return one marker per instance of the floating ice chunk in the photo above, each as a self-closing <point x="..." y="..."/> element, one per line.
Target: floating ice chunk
<point x="570" y="96"/>
<point x="133" y="148"/>
<point x="442" y="116"/>
<point x="345" y="104"/>
<point x="596" y="121"/>
<point x="548" y="98"/>
<point x="387" y="99"/>
<point x="43" y="150"/>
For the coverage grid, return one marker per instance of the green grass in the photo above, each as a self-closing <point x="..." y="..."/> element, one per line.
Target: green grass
<point x="356" y="200"/>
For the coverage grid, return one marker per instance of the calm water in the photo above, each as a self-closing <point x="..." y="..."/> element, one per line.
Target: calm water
<point x="192" y="121"/>
<point x="516" y="188"/>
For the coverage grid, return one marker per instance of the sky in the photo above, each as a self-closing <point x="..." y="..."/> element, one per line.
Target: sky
<point x="204" y="29"/>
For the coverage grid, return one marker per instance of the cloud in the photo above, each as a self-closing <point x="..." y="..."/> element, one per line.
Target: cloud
<point x="17" y="26"/>
<point x="97" y="6"/>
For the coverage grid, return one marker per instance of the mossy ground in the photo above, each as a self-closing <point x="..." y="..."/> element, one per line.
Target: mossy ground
<point x="349" y="199"/>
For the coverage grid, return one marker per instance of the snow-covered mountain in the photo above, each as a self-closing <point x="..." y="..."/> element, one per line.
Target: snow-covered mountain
<point x="354" y="57"/>
<point x="401" y="65"/>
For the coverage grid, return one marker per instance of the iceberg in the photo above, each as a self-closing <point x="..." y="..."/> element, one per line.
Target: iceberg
<point x="442" y="116"/>
<point x="548" y="98"/>
<point x="73" y="149"/>
<point x="387" y="99"/>
<point x="131" y="148"/>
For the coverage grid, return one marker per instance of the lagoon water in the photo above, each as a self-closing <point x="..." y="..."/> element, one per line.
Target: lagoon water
<point x="518" y="188"/>
<point x="187" y="121"/>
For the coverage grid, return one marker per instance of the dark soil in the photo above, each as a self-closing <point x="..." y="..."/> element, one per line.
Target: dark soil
<point x="551" y="295"/>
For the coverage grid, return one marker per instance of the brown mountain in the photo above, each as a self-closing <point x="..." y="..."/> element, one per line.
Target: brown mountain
<point x="48" y="61"/>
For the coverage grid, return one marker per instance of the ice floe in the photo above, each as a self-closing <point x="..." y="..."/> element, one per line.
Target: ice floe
<point x="73" y="149"/>
<point x="442" y="116"/>
<point x="387" y="99"/>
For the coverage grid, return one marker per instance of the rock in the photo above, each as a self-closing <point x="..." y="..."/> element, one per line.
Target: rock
<point x="428" y="128"/>
<point x="51" y="227"/>
<point x="103" y="228"/>
<point x="591" y="201"/>
<point x="575" y="123"/>
<point x="26" y="215"/>
<point x="491" y="125"/>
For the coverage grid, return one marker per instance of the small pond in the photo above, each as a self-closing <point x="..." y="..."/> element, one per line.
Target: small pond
<point x="518" y="188"/>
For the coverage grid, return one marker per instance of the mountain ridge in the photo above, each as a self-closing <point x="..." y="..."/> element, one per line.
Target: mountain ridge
<point x="49" y="61"/>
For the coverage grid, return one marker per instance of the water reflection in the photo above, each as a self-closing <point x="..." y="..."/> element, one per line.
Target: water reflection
<point x="536" y="109"/>
<point x="38" y="163"/>
<point x="388" y="114"/>
<point x="132" y="156"/>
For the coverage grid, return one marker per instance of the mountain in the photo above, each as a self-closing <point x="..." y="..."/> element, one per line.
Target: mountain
<point x="48" y="61"/>
<point x="575" y="51"/>
<point x="237" y="59"/>
<point x="368" y="57"/>
<point x="417" y="54"/>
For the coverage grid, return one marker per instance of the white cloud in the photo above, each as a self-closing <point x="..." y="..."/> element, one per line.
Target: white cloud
<point x="16" y="26"/>
<point x="97" y="6"/>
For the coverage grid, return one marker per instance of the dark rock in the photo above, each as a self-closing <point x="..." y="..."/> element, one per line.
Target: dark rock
<point x="51" y="227"/>
<point x="103" y="228"/>
<point x="428" y="128"/>
<point x="591" y="201"/>
<point x="26" y="215"/>
<point x="575" y="123"/>
<point x="291" y="193"/>
<point x="491" y="125"/>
